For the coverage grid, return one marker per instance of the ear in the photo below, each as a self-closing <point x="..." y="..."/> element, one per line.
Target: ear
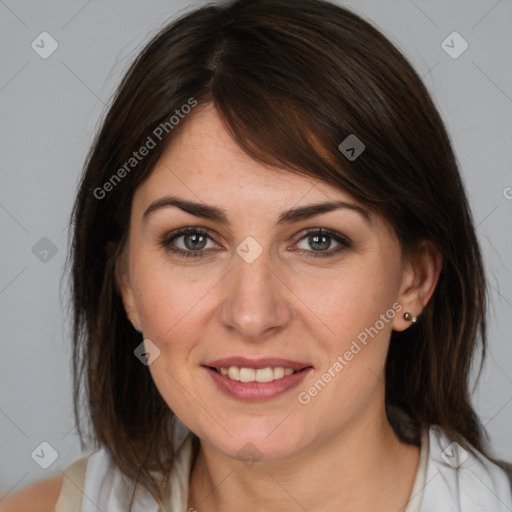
<point x="419" y="279"/>
<point x="124" y="286"/>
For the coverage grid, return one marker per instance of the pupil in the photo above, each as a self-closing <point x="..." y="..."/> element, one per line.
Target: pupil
<point x="196" y="239"/>
<point x="323" y="240"/>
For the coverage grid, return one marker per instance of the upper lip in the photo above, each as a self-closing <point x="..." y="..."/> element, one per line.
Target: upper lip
<point x="265" y="362"/>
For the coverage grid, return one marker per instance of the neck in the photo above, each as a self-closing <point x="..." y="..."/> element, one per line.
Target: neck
<point x="364" y="467"/>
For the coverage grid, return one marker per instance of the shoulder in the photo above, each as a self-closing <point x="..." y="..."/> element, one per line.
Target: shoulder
<point x="456" y="476"/>
<point x="52" y="493"/>
<point x="40" y="496"/>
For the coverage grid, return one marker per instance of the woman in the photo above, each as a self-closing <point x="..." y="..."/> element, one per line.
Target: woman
<point x="278" y="290"/>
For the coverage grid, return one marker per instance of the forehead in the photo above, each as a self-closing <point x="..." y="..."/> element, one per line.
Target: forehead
<point x="204" y="163"/>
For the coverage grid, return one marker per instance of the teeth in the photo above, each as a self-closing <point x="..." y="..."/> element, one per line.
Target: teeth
<point x="247" y="375"/>
<point x="279" y="372"/>
<point x="264" y="375"/>
<point x="234" y="373"/>
<point x="256" y="375"/>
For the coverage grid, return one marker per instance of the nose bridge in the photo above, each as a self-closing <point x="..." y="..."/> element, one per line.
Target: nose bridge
<point x="254" y="302"/>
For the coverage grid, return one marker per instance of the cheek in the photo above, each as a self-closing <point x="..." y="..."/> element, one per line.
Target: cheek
<point x="346" y="302"/>
<point x="171" y="301"/>
<point x="359" y="316"/>
<point x="353" y="352"/>
<point x="171" y="304"/>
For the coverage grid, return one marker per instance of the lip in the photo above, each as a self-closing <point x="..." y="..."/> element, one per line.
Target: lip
<point x="256" y="391"/>
<point x="265" y="362"/>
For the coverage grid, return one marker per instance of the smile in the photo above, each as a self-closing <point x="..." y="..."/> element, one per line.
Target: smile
<point x="256" y="380"/>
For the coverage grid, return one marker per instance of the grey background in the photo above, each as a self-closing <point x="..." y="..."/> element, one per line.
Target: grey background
<point x="51" y="107"/>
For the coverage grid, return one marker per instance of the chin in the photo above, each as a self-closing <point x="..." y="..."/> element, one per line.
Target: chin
<point x="252" y="443"/>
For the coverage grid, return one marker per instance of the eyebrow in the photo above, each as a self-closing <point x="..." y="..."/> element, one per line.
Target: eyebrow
<point x="220" y="215"/>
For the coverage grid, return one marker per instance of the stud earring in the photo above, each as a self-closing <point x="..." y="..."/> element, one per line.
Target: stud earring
<point x="410" y="317"/>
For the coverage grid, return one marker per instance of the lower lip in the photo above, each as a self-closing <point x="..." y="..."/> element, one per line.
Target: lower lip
<point x="253" y="391"/>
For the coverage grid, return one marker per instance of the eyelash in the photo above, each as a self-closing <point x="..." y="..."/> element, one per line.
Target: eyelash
<point x="344" y="242"/>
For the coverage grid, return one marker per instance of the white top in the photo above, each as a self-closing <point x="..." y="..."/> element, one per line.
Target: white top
<point x="448" y="479"/>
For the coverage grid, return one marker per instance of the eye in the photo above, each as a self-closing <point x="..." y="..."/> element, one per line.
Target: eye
<point x="187" y="242"/>
<point x="193" y="242"/>
<point x="317" y="242"/>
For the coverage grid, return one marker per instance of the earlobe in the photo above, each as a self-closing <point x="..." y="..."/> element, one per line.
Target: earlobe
<point x="419" y="280"/>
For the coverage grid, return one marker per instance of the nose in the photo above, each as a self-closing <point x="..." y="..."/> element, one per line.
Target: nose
<point x="255" y="303"/>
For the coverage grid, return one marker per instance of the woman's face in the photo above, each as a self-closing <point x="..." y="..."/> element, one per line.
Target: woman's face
<point x="265" y="281"/>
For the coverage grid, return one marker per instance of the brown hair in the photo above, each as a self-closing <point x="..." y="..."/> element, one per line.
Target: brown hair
<point x="291" y="79"/>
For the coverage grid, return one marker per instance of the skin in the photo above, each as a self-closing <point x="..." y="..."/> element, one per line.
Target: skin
<point x="338" y="452"/>
<point x="40" y="496"/>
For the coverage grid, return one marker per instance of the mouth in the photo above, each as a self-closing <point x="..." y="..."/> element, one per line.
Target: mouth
<point x="261" y="379"/>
